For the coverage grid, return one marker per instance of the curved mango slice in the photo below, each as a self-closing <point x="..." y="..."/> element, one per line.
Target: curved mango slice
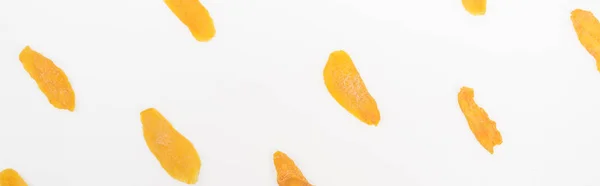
<point x="50" y="79"/>
<point x="347" y="88"/>
<point x="588" y="31"/>
<point x="475" y="7"/>
<point x="10" y="177"/>
<point x="175" y="153"/>
<point x="482" y="127"/>
<point x="288" y="173"/>
<point x="193" y="14"/>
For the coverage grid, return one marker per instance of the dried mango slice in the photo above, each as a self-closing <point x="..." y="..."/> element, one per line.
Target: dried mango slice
<point x="288" y="173"/>
<point x="10" y="177"/>
<point x="175" y="153"/>
<point x="50" y="79"/>
<point x="193" y="14"/>
<point x="482" y="127"/>
<point x="588" y="31"/>
<point x="475" y="7"/>
<point x="347" y="87"/>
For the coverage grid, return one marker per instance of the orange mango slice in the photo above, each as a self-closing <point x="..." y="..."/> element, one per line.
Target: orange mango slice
<point x="588" y="31"/>
<point x="288" y="174"/>
<point x="10" y="177"/>
<point x="175" y="153"/>
<point x="50" y="79"/>
<point x="475" y="7"/>
<point x="482" y="127"/>
<point x="193" y="14"/>
<point x="347" y="88"/>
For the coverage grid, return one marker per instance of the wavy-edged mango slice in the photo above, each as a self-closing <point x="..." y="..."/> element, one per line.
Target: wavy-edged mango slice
<point x="51" y="80"/>
<point x="193" y="14"/>
<point x="175" y="153"/>
<point x="588" y="31"/>
<point x="10" y="177"/>
<point x="347" y="88"/>
<point x="475" y="7"/>
<point x="288" y="174"/>
<point x="481" y="125"/>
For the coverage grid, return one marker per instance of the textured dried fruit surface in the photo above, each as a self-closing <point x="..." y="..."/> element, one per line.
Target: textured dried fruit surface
<point x="482" y="127"/>
<point x="10" y="177"/>
<point x="347" y="87"/>
<point x="50" y="79"/>
<point x="175" y="153"/>
<point x="193" y="14"/>
<point x="588" y="31"/>
<point x="288" y="173"/>
<point x="475" y="7"/>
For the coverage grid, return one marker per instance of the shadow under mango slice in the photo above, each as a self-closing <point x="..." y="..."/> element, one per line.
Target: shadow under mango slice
<point x="288" y="174"/>
<point x="193" y="14"/>
<point x="10" y="177"/>
<point x="588" y="32"/>
<point x="475" y="7"/>
<point x="347" y="87"/>
<point x="482" y="127"/>
<point x="51" y="80"/>
<point x="175" y="153"/>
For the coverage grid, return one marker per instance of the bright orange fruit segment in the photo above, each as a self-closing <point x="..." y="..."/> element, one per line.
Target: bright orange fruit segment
<point x="10" y="177"/>
<point x="175" y="153"/>
<point x="475" y="7"/>
<point x="347" y="87"/>
<point x="588" y="31"/>
<point x="193" y="14"/>
<point x="50" y="79"/>
<point x="482" y="127"/>
<point x="288" y="174"/>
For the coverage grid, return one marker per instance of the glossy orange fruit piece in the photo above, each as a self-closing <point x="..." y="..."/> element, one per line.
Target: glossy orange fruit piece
<point x="482" y="127"/>
<point x="50" y="79"/>
<point x="193" y="14"/>
<point x="175" y="153"/>
<point x="10" y="177"/>
<point x="588" y="31"/>
<point x="475" y="7"/>
<point x="346" y="86"/>
<point x="288" y="174"/>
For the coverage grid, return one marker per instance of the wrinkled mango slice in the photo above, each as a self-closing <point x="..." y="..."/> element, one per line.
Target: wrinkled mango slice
<point x="475" y="7"/>
<point x="588" y="31"/>
<point x="193" y="14"/>
<point x="50" y="79"/>
<point x="482" y="127"/>
<point x="10" y="177"/>
<point x="288" y="174"/>
<point x="347" y="87"/>
<point x="175" y="153"/>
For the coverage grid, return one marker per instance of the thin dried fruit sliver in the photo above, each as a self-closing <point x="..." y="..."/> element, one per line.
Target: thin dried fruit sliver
<point x="193" y="14"/>
<point x="50" y="79"/>
<point x="475" y="7"/>
<point x="347" y="87"/>
<point x="482" y="127"/>
<point x="588" y="31"/>
<point x="10" y="177"/>
<point x="175" y="153"/>
<point x="288" y="174"/>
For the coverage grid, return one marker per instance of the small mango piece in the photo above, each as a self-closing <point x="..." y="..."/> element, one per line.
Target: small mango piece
<point x="347" y="88"/>
<point x="50" y="79"/>
<point x="288" y="174"/>
<point x="482" y="127"/>
<point x="193" y="14"/>
<point x="475" y="7"/>
<point x="175" y="153"/>
<point x="588" y="31"/>
<point x="10" y="177"/>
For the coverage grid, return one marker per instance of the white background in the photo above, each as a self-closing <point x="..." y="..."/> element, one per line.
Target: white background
<point x="257" y="87"/>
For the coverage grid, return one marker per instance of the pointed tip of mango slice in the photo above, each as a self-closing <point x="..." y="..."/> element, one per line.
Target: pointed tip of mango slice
<point x="288" y="174"/>
<point x="11" y="177"/>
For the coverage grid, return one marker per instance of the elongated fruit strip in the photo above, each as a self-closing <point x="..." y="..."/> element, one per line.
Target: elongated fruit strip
<point x="50" y="79"/>
<point x="10" y="177"/>
<point x="482" y="127"/>
<point x="288" y="174"/>
<point x="588" y="31"/>
<point x="475" y="7"/>
<point x="347" y="87"/>
<point x="193" y="14"/>
<point x="175" y="153"/>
